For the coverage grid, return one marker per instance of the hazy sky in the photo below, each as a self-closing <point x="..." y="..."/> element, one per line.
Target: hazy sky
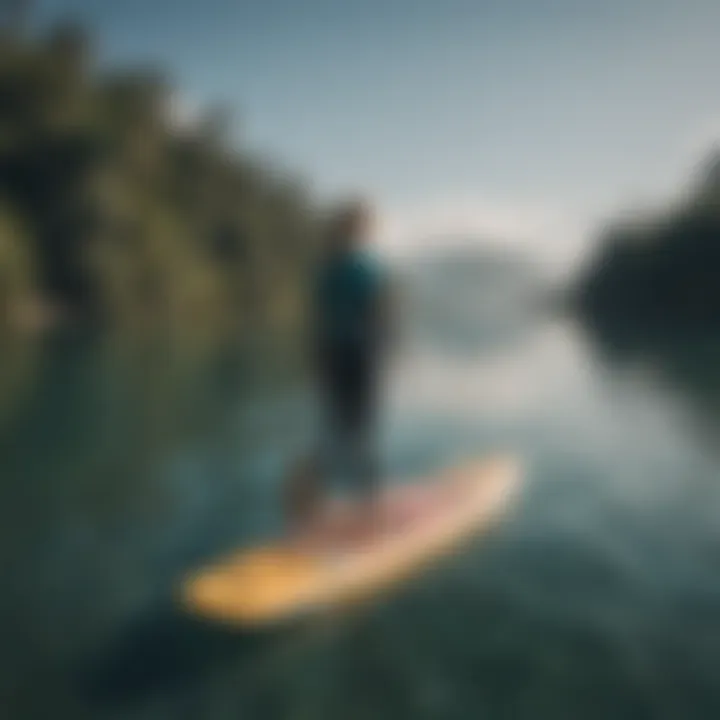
<point x="525" y="119"/>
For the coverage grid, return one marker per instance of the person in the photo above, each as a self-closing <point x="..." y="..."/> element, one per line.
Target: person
<point x="352" y="321"/>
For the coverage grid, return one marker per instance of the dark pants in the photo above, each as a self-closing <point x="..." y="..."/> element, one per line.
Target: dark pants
<point x="348" y="379"/>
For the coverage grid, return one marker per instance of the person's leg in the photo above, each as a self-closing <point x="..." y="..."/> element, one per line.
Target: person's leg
<point x="302" y="495"/>
<point x="337" y="454"/>
<point x="350" y="398"/>
<point x="309" y="477"/>
<point x="311" y="518"/>
<point x="361" y="407"/>
<point x="364" y="441"/>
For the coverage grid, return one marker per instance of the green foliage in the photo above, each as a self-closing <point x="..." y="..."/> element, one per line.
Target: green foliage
<point x="135" y="218"/>
<point x="660" y="278"/>
<point x="16" y="264"/>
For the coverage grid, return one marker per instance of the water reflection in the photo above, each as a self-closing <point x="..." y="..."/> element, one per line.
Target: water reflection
<point x="19" y="368"/>
<point x="681" y="367"/>
<point x="126" y="465"/>
<point x="121" y="468"/>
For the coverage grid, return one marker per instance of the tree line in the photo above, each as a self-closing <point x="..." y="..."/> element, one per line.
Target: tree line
<point x="118" y="213"/>
<point x="659" y="278"/>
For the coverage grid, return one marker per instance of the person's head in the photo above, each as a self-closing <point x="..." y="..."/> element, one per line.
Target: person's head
<point x="349" y="227"/>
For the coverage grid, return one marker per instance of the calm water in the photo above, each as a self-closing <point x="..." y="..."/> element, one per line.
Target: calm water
<point x="598" y="598"/>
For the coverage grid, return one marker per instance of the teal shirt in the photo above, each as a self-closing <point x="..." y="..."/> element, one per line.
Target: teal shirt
<point x="348" y="295"/>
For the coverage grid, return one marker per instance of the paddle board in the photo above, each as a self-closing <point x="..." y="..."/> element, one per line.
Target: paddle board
<point x="417" y="524"/>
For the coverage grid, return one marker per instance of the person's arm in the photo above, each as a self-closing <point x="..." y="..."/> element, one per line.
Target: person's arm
<point x="389" y="330"/>
<point x="314" y="320"/>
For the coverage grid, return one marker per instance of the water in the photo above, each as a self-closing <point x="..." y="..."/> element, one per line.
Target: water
<point x="598" y="598"/>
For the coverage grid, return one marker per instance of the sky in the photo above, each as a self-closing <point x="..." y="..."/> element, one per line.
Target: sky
<point x="518" y="122"/>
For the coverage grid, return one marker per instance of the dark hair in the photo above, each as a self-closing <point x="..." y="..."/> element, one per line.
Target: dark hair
<point x="347" y="224"/>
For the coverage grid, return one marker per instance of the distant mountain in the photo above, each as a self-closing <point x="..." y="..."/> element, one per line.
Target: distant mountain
<point x="468" y="296"/>
<point x="471" y="274"/>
